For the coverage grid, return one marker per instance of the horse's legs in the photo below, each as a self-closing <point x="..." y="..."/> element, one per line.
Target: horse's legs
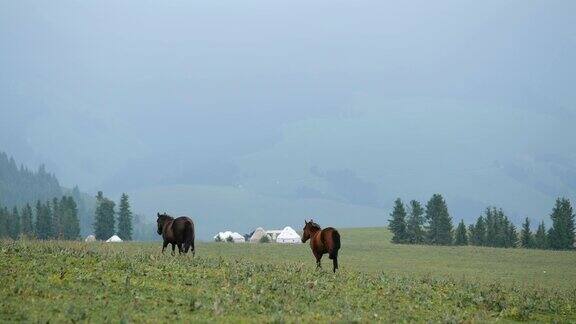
<point x="173" y="249"/>
<point x="333" y="254"/>
<point x="180" y="248"/>
<point x="335" y="263"/>
<point x="189" y="246"/>
<point x="318" y="260"/>
<point x="164" y="245"/>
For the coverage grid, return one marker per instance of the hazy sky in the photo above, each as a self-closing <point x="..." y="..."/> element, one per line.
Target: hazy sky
<point x="130" y="94"/>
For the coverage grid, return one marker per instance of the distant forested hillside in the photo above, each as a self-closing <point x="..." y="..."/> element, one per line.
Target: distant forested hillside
<point x="19" y="185"/>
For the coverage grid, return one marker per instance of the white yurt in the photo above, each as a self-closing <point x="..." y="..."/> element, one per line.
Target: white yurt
<point x="288" y="235"/>
<point x="259" y="233"/>
<point x="114" y="239"/>
<point x="90" y="238"/>
<point x="273" y="234"/>
<point x="236" y="237"/>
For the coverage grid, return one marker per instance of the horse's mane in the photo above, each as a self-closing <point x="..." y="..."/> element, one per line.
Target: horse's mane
<point x="314" y="225"/>
<point x="165" y="216"/>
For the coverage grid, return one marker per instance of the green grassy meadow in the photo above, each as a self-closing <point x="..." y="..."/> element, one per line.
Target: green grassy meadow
<point x="378" y="281"/>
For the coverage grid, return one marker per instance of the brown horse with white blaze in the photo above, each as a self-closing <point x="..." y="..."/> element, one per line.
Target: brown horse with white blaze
<point x="322" y="241"/>
<point x="178" y="232"/>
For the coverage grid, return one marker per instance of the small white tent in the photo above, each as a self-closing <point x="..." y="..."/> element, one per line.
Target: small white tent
<point x="236" y="237"/>
<point x="114" y="239"/>
<point x="259" y="233"/>
<point x="288" y="235"/>
<point x="273" y="234"/>
<point x="90" y="238"/>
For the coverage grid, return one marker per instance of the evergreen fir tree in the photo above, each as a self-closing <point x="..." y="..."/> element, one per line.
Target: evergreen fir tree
<point x="44" y="227"/>
<point x="501" y="228"/>
<point x="561" y="235"/>
<point x="415" y="230"/>
<point x="14" y="224"/>
<point x="540" y="238"/>
<point x="461" y="237"/>
<point x="70" y="220"/>
<point x="104" y="217"/>
<point x="85" y="209"/>
<point x="4" y="232"/>
<point x="500" y="232"/>
<point x="526" y="238"/>
<point x="479" y="235"/>
<point x="125" y="219"/>
<point x="439" y="221"/>
<point x="511" y="236"/>
<point x="397" y="222"/>
<point x="26" y="223"/>
<point x="472" y="234"/>
<point x="491" y="227"/>
<point x="57" y="219"/>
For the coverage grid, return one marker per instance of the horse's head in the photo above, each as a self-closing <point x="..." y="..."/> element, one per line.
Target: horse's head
<point x="162" y="218"/>
<point x="309" y="229"/>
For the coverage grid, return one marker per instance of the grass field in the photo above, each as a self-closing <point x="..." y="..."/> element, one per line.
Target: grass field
<point x="379" y="281"/>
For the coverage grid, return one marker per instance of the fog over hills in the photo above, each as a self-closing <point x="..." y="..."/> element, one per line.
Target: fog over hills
<point x="259" y="113"/>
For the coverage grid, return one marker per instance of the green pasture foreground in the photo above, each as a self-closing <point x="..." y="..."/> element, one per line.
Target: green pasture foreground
<point x="379" y="281"/>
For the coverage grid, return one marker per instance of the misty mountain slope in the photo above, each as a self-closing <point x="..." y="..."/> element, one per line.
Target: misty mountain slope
<point x="218" y="208"/>
<point x="476" y="155"/>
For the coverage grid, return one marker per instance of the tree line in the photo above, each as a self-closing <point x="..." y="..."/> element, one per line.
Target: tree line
<point x="432" y="224"/>
<point x="58" y="219"/>
<point x="55" y="219"/>
<point x="105" y="218"/>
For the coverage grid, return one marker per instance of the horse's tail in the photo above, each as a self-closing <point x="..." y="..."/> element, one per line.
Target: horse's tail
<point x="189" y="237"/>
<point x="335" y="247"/>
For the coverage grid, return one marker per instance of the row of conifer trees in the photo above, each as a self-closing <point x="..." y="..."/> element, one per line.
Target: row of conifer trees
<point x="105" y="218"/>
<point x="56" y="219"/>
<point x="432" y="224"/>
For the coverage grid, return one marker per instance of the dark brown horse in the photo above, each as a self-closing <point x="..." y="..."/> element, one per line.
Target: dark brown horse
<point x="322" y="241"/>
<point x="178" y="232"/>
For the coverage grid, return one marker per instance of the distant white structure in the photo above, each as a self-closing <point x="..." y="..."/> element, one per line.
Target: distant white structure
<point x="288" y="235"/>
<point x="258" y="234"/>
<point x="90" y="238"/>
<point x="236" y="237"/>
<point x="273" y="234"/>
<point x="114" y="239"/>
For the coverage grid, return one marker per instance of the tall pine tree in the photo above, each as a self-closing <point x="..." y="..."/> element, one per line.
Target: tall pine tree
<point x="57" y="211"/>
<point x="4" y="231"/>
<point x="491" y="227"/>
<point x="397" y="222"/>
<point x="500" y="232"/>
<point x="478" y="235"/>
<point x="44" y="227"/>
<point x="511" y="235"/>
<point x="70" y="220"/>
<point x="104" y="217"/>
<point x="415" y="223"/>
<point x="439" y="221"/>
<point x="526" y="238"/>
<point x="561" y="235"/>
<point x="14" y="224"/>
<point x="125" y="219"/>
<point x="461" y="237"/>
<point x="26" y="222"/>
<point x="540" y="238"/>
